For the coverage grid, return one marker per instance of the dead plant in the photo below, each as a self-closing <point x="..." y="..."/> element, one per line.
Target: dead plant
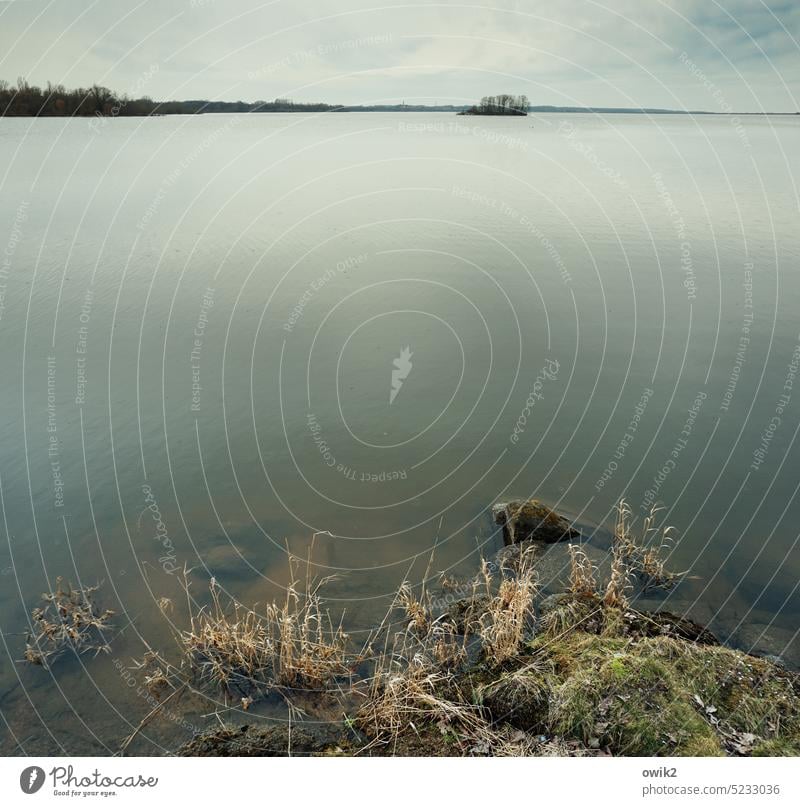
<point x="582" y="582"/>
<point x="618" y="582"/>
<point x="417" y="612"/>
<point x="642" y="556"/>
<point x="69" y="620"/>
<point x="409" y="692"/>
<point x="506" y="621"/>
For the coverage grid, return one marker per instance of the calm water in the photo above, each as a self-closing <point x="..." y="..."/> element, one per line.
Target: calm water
<point x="199" y="322"/>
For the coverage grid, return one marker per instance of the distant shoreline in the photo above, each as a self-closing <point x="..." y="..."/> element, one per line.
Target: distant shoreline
<point x="313" y="109"/>
<point x="25" y="100"/>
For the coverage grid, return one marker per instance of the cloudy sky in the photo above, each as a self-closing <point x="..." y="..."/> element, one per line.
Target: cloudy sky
<point x="696" y="54"/>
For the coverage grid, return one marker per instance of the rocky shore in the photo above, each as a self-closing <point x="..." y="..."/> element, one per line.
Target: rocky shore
<point x="510" y="667"/>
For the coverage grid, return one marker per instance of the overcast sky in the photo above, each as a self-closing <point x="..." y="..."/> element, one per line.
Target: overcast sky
<point x="740" y="54"/>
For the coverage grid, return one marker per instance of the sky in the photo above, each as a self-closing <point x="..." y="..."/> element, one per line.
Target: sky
<point x="732" y="55"/>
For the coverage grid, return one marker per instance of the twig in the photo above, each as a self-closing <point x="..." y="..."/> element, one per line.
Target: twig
<point x="126" y="743"/>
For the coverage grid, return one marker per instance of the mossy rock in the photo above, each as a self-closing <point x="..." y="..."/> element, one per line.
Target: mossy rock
<point x="532" y="520"/>
<point x="750" y="695"/>
<point x="466" y="611"/>
<point x="663" y="623"/>
<point x="668" y="696"/>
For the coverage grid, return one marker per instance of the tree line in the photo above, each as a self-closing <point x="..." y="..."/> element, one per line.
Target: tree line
<point x="54" y="100"/>
<point x="26" y="100"/>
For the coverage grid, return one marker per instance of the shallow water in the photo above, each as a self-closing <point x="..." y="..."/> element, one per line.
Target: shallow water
<point x="200" y="318"/>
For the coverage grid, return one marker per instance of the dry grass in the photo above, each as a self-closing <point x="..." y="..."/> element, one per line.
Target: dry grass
<point x="642" y="555"/>
<point x="416" y="682"/>
<point x="508" y="617"/>
<point x="69" y="620"/>
<point x="292" y="645"/>
<point x="229" y="648"/>
<point x="582" y="581"/>
<point x="637" y="557"/>
<point x="417" y="612"/>
<point x="615" y="595"/>
<point x="408" y="693"/>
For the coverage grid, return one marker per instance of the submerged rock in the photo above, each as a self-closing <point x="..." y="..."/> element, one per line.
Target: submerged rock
<point x="532" y="520"/>
<point x="227" y="561"/>
<point x="250" y="740"/>
<point x="770" y="641"/>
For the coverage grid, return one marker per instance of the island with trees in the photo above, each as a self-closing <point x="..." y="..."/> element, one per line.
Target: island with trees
<point x="499" y="105"/>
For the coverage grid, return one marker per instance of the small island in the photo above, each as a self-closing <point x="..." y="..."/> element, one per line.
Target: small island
<point x="499" y="105"/>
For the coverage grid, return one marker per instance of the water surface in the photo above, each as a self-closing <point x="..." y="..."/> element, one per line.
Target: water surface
<point x="200" y="318"/>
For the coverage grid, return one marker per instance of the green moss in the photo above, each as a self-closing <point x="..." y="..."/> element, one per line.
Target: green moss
<point x="659" y="696"/>
<point x="634" y="705"/>
<point x="777" y="747"/>
<point x="701" y="746"/>
<point x="748" y="694"/>
<point x="618" y="668"/>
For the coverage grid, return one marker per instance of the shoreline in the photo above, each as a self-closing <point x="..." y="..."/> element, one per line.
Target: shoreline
<point x="510" y="668"/>
<point x="546" y="650"/>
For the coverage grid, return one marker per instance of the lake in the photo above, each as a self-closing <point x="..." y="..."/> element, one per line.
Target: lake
<point x="223" y="334"/>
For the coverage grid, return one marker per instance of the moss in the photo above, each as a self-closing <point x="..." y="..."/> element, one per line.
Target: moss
<point x="613" y="622"/>
<point x="750" y="695"/>
<point x="633" y="705"/>
<point x="649" y="696"/>
<point x="702" y="746"/>
<point x="620" y="694"/>
<point x="570" y="614"/>
<point x="777" y="747"/>
<point x="618" y="669"/>
<point x="642" y="696"/>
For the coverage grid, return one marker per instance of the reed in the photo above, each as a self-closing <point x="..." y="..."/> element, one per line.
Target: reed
<point x="508" y="618"/>
<point x="290" y="646"/>
<point x="582" y="581"/>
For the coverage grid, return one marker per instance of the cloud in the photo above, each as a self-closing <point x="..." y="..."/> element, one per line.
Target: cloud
<point x="556" y="51"/>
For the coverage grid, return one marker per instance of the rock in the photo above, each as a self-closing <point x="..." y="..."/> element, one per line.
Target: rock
<point x="553" y="602"/>
<point x="553" y="566"/>
<point x="768" y="640"/>
<point x="466" y="611"/>
<point x="226" y="561"/>
<point x="249" y="740"/>
<point x="552" y="563"/>
<point x="532" y="520"/>
<point x="662" y="622"/>
<point x="506" y="558"/>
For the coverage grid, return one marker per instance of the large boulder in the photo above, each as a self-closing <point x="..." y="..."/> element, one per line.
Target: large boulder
<point x="532" y="520"/>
